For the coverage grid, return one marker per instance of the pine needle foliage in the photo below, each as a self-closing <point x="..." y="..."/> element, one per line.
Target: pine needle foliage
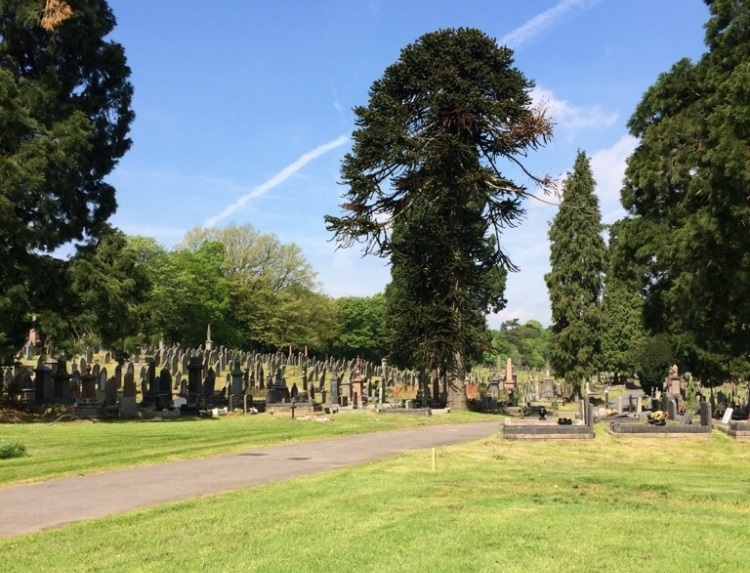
<point x="578" y="258"/>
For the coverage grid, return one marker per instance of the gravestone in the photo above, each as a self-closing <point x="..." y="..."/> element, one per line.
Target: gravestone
<point x="209" y="386"/>
<point x="705" y="413"/>
<point x="43" y="384"/>
<point x="102" y="377"/>
<point x="727" y="417"/>
<point x="118" y="376"/>
<point x="333" y="400"/>
<point x="128" y="387"/>
<point x="236" y="379"/>
<point x="509" y="381"/>
<point x="672" y="409"/>
<point x="110" y="393"/>
<point x="61" y="382"/>
<point x="165" y="382"/>
<point x="195" y="369"/>
<point x="88" y="386"/>
<point x="75" y="385"/>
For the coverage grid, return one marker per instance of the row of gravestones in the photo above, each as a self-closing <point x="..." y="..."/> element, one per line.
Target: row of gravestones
<point x="253" y="376"/>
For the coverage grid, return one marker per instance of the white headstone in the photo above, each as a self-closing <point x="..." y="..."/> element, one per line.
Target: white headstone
<point x="727" y="415"/>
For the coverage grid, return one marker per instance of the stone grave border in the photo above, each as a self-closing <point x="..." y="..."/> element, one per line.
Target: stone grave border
<point x="581" y="428"/>
<point x="739" y="430"/>
<point x="640" y="430"/>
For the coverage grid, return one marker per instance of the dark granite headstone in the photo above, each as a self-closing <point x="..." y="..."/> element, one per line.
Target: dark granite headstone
<point x="672" y="409"/>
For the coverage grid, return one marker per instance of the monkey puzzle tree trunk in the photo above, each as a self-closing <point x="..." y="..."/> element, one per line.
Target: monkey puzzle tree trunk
<point x="456" y="387"/>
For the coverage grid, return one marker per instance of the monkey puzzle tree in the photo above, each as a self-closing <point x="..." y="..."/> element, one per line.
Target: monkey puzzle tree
<point x="427" y="154"/>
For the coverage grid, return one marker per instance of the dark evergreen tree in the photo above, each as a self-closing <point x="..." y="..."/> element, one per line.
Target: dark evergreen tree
<point x="578" y="258"/>
<point x="426" y="164"/>
<point x="686" y="193"/>
<point x="64" y="118"/>
<point x="622" y="310"/>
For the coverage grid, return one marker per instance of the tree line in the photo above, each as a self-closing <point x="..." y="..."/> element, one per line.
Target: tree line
<point x="669" y="287"/>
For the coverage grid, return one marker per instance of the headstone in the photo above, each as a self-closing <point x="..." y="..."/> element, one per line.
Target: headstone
<point x="705" y="413"/>
<point x="102" y="377"/>
<point x="128" y="388"/>
<point x="88" y="385"/>
<point x="334" y="397"/>
<point x="110" y="393"/>
<point x="209" y="386"/>
<point x="61" y="382"/>
<point x="118" y="376"/>
<point x="165" y="382"/>
<point x="43" y="384"/>
<point x="727" y="417"/>
<point x="686" y="419"/>
<point x="509" y="381"/>
<point x="236" y="379"/>
<point x="672" y="409"/>
<point x="75" y="385"/>
<point x="195" y="369"/>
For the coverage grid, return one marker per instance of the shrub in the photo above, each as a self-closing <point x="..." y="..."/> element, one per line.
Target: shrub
<point x="11" y="450"/>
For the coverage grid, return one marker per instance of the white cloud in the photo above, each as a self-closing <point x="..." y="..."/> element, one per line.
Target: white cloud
<point x="543" y="22"/>
<point x="279" y="178"/>
<point x="568" y="116"/>
<point x="608" y="166"/>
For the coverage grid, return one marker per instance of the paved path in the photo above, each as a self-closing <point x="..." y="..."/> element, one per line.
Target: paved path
<point x="28" y="508"/>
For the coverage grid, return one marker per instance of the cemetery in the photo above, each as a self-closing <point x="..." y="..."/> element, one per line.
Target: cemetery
<point x="210" y="380"/>
<point x="397" y="431"/>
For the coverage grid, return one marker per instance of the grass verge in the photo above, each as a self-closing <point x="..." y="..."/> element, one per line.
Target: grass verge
<point x="610" y="504"/>
<point x="74" y="448"/>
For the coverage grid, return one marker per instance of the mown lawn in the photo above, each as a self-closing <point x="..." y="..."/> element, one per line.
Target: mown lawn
<point x="605" y="505"/>
<point x="71" y="448"/>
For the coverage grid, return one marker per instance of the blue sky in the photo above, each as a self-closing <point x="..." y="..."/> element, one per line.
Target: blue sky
<point x="244" y="110"/>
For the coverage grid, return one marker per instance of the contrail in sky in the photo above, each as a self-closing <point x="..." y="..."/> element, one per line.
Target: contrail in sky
<point x="279" y="178"/>
<point x="542" y="22"/>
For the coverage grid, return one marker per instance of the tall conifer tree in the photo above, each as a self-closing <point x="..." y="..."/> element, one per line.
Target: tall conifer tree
<point x="686" y="193"/>
<point x="578" y="258"/>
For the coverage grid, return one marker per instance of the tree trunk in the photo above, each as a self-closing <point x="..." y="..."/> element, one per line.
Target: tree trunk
<point x="456" y="387"/>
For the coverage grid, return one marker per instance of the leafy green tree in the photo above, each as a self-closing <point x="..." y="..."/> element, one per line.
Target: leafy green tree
<point x="111" y="288"/>
<point x="263" y="275"/>
<point x="427" y="159"/>
<point x="686" y="197"/>
<point x="64" y="118"/>
<point x="189" y="292"/>
<point x="253" y="259"/>
<point x="303" y="319"/>
<point x="578" y="258"/>
<point x="361" y="328"/>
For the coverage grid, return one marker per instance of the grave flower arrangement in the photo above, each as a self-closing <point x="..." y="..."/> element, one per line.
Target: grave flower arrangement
<point x="658" y="418"/>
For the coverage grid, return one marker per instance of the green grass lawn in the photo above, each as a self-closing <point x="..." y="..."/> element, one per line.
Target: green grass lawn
<point x="606" y="505"/>
<point x="71" y="448"/>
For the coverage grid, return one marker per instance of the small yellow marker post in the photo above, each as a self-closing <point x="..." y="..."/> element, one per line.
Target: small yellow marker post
<point x="434" y="459"/>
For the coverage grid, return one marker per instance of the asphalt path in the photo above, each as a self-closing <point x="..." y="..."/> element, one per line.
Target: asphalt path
<point x="34" y="507"/>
